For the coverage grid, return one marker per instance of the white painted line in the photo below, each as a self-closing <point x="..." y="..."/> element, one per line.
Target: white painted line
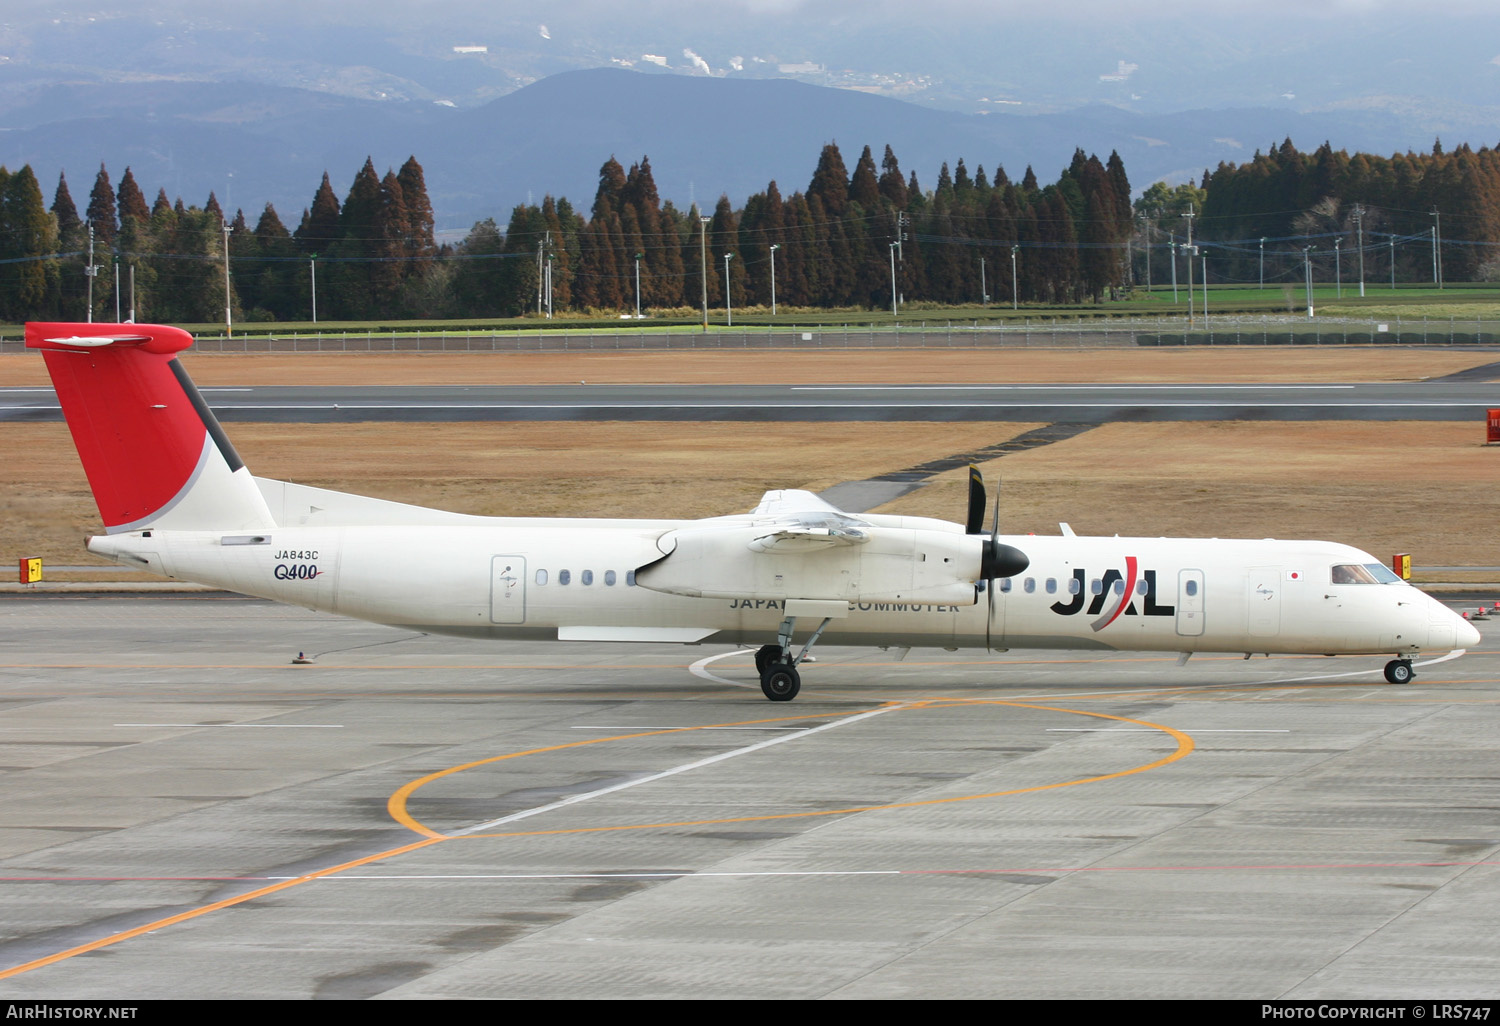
<point x="1143" y="730"/>
<point x="700" y="668"/>
<point x="1065" y="388"/>
<point x="278" y="726"/>
<point x="684" y="768"/>
<point x="673" y="726"/>
<point x="594" y="876"/>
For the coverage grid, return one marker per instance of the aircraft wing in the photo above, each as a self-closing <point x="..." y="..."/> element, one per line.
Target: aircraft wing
<point x="792" y="500"/>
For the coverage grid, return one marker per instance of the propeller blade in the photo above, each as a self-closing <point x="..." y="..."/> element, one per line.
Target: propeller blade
<point x="974" y="524"/>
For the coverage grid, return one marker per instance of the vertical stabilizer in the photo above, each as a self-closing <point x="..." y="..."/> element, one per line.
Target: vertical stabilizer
<point x="154" y="453"/>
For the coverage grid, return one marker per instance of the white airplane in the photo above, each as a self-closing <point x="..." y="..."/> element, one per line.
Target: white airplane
<point x="177" y="500"/>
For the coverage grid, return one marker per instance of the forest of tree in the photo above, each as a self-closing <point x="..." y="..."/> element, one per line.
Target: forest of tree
<point x="1285" y="203"/>
<point x="835" y="244"/>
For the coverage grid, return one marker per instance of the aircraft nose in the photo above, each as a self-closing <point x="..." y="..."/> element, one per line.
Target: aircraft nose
<point x="1466" y="634"/>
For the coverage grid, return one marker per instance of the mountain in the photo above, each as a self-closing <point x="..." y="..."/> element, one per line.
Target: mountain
<point x="705" y="136"/>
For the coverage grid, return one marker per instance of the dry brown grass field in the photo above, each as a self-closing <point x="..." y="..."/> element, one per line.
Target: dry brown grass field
<point x="1426" y="488"/>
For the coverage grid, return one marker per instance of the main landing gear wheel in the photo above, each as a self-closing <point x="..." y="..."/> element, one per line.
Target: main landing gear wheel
<point x="1399" y="671"/>
<point x="765" y="656"/>
<point x="780" y="682"/>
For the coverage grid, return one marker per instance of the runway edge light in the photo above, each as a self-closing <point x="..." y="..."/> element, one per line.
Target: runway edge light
<point x="31" y="570"/>
<point x="1401" y="563"/>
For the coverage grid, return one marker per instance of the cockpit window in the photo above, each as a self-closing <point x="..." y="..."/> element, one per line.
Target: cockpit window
<point x="1368" y="573"/>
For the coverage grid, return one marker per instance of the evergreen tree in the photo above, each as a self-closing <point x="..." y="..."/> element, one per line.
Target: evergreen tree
<point x="132" y="202"/>
<point x="830" y="182"/>
<point x="101" y="212"/>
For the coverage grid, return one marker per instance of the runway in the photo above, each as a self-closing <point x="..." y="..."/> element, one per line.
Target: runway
<point x="189" y="815"/>
<point x="1449" y="399"/>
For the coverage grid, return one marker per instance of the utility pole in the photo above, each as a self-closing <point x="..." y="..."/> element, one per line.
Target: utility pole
<point x="228" y="327"/>
<point x="1262" y="265"/>
<point x="540" y="283"/>
<point x="1392" y="241"/>
<point x="132" y="293"/>
<point x="1338" y="271"/>
<point x="115" y="261"/>
<point x="774" y="248"/>
<point x="312" y="270"/>
<point x="984" y="292"/>
<point x="90" y="271"/>
<point x="703" y="263"/>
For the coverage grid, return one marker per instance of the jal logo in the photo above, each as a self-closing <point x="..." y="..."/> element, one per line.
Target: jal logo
<point x="1115" y="595"/>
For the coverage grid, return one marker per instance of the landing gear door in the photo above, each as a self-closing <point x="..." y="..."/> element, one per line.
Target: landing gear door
<point x="508" y="589"/>
<point x="1190" y="603"/>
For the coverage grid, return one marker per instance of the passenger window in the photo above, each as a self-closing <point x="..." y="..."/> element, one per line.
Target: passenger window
<point x="1140" y="587"/>
<point x="587" y="577"/>
<point x="1030" y="585"/>
<point x="1074" y="586"/>
<point x="541" y="577"/>
<point x="1005" y="584"/>
<point x="609" y="578"/>
<point x="1096" y="586"/>
<point x="563" y="577"/>
<point x="630" y="578"/>
<point x="1119" y="588"/>
<point x="1051" y="586"/>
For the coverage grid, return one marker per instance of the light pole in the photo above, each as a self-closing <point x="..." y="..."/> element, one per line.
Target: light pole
<point x="1262" y="264"/>
<point x="1014" y="298"/>
<point x="228" y="325"/>
<point x="1393" y="262"/>
<point x="638" y="286"/>
<point x="115" y="260"/>
<point x="774" y="248"/>
<point x="1191" y="252"/>
<point x="1172" y="245"/>
<point x="1205" y="288"/>
<point x="312" y="269"/>
<point x="1307" y="270"/>
<point x="1338" y="271"/>
<point x="728" y="308"/>
<point x="703" y="263"/>
<point x="1359" y="230"/>
<point x="1437" y="251"/>
<point x="984" y="292"/>
<point x="132" y="293"/>
<point x="894" y="314"/>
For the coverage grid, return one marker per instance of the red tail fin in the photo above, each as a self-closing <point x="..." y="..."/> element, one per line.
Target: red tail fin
<point x="154" y="453"/>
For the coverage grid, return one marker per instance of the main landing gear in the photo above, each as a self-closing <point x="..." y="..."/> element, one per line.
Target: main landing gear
<point x="779" y="679"/>
<point x="1399" y="671"/>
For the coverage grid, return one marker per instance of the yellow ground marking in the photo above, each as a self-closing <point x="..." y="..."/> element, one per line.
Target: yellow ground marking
<point x="397" y="804"/>
<point x="182" y="917"/>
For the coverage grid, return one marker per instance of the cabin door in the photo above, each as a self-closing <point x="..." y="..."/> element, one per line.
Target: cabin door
<point x="508" y="589"/>
<point x="1190" y="603"/>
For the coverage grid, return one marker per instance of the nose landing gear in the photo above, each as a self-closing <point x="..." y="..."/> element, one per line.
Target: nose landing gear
<point x="1399" y="671"/>
<point x="779" y="679"/>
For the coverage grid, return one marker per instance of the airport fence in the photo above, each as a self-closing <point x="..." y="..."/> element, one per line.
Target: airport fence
<point x="1044" y="333"/>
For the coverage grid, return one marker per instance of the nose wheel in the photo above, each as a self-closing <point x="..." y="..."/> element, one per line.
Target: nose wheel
<point x="1399" y="671"/>
<point x="780" y="682"/>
